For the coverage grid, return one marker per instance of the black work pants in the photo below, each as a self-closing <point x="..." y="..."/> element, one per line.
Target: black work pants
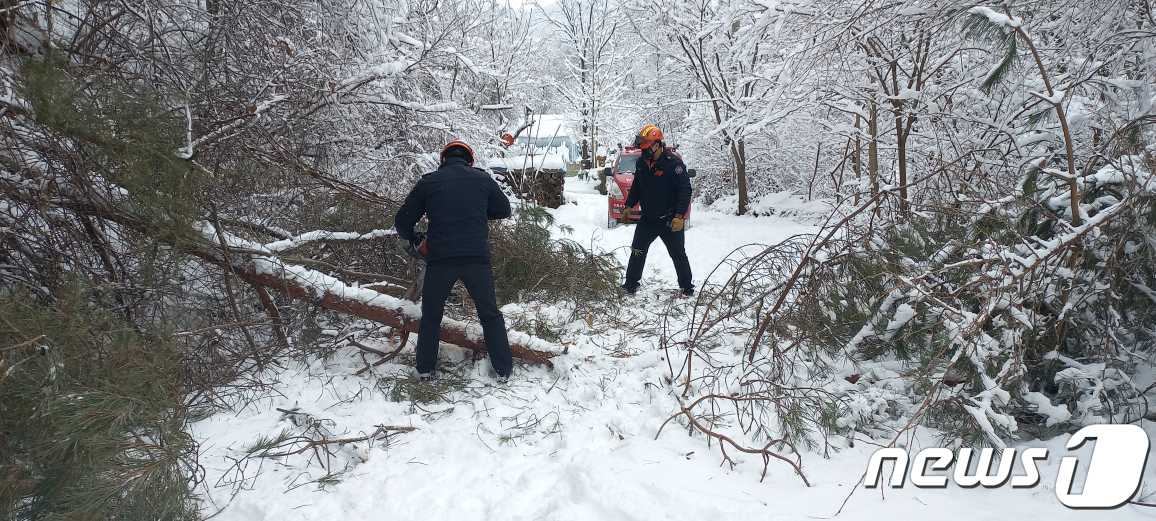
<point x="644" y="234"/>
<point x="479" y="282"/>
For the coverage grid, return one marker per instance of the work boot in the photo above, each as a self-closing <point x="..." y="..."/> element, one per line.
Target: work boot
<point x="427" y="377"/>
<point x="687" y="292"/>
<point x="629" y="291"/>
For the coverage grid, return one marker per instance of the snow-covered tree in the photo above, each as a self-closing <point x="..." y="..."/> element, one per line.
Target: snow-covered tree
<point x="590" y="80"/>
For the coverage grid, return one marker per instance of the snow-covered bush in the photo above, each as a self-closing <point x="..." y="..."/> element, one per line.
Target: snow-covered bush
<point x="990" y="265"/>
<point x="984" y="332"/>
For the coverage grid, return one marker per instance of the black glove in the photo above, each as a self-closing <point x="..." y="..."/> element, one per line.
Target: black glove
<point x="418" y="248"/>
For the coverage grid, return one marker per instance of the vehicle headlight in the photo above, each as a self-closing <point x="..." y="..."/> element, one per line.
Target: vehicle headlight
<point x="613" y="190"/>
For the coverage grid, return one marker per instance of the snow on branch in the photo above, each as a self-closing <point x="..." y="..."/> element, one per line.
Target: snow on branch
<point x="369" y="75"/>
<point x="416" y="106"/>
<point x="1056" y="245"/>
<point x="996" y="17"/>
<point x="254" y="112"/>
<point x="327" y="236"/>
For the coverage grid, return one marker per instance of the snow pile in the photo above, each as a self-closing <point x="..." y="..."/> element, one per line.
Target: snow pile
<point x="783" y="204"/>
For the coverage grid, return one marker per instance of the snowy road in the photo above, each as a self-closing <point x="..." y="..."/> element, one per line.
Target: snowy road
<point x="576" y="443"/>
<point x="710" y="236"/>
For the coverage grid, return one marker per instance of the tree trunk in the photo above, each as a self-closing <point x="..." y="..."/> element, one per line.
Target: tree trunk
<point x="585" y="117"/>
<point x="901" y="144"/>
<point x="857" y="159"/>
<point x="873" y="148"/>
<point x="593" y="135"/>
<point x="815" y="174"/>
<point x="739" y="151"/>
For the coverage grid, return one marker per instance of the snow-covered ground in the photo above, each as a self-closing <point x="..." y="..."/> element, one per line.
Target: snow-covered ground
<point x="574" y="443"/>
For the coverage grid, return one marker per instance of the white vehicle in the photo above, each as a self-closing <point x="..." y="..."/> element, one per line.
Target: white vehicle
<point x="549" y="143"/>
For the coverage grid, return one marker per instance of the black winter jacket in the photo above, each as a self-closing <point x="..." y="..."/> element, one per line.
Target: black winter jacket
<point x="458" y="201"/>
<point x="663" y="187"/>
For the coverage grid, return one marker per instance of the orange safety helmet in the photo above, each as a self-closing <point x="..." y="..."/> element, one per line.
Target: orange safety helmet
<point x="648" y="136"/>
<point x="457" y="143"/>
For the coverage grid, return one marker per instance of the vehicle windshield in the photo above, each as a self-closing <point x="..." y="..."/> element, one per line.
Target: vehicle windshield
<point x="626" y="163"/>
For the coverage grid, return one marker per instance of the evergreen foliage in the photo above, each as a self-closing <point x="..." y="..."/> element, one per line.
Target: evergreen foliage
<point x="92" y="415"/>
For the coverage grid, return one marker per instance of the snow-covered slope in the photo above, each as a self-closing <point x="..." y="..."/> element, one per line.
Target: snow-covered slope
<point x="575" y="443"/>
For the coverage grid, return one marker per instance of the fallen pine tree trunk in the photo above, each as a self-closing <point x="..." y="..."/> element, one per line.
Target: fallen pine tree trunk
<point x="256" y="265"/>
<point x="382" y="308"/>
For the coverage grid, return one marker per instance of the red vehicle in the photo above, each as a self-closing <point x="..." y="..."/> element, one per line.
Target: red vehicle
<point x="619" y="178"/>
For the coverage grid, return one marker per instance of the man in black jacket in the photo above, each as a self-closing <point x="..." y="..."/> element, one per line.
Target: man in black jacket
<point x="458" y="201"/>
<point x="662" y="186"/>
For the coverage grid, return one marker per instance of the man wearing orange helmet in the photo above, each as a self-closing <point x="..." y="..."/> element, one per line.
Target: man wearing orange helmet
<point x="662" y="187"/>
<point x="458" y="200"/>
